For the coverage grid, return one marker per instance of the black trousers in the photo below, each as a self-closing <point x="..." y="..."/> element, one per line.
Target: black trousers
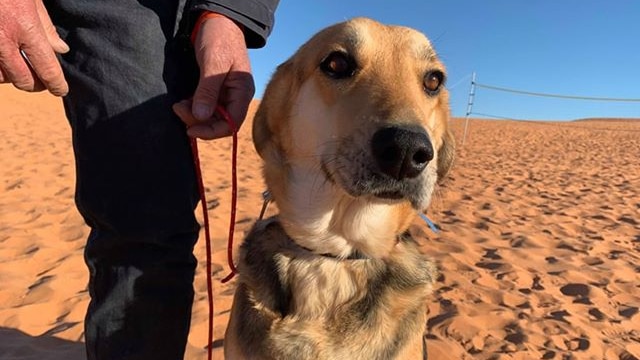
<point x="135" y="178"/>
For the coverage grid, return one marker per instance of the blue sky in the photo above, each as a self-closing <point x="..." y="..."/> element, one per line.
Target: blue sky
<point x="571" y="47"/>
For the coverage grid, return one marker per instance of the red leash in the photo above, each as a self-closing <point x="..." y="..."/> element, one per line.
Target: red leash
<point x="234" y="190"/>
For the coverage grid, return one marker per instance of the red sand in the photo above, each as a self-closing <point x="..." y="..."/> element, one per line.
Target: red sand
<point x="539" y="250"/>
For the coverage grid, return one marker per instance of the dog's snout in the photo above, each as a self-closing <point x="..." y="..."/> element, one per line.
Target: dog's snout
<point x="401" y="152"/>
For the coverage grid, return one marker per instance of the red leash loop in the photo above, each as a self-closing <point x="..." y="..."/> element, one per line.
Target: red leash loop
<point x="234" y="186"/>
<point x="234" y="191"/>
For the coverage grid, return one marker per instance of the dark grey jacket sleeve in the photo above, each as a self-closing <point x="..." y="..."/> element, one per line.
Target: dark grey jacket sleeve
<point x="257" y="16"/>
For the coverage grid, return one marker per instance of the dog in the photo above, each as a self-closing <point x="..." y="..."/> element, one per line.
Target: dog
<point x="353" y="132"/>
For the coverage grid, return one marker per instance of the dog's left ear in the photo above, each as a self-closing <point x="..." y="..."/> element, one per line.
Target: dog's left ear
<point x="446" y="154"/>
<point x="447" y="150"/>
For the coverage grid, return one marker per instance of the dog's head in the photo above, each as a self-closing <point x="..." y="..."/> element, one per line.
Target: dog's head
<point x="353" y="130"/>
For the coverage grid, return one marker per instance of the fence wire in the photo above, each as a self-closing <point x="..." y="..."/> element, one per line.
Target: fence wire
<point x="574" y="97"/>
<point x="475" y="84"/>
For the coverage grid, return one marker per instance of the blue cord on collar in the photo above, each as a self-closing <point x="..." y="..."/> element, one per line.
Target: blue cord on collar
<point x="432" y="226"/>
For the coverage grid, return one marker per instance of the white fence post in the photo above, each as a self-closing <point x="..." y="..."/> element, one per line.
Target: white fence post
<point x="472" y="94"/>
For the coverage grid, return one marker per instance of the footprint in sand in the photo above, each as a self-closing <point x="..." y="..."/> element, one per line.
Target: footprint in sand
<point x="580" y="292"/>
<point x="448" y="311"/>
<point x="596" y="314"/>
<point x="593" y="261"/>
<point x="515" y="335"/>
<point x="578" y="344"/>
<point x="627" y="311"/>
<point x="489" y="265"/>
<point x="575" y="289"/>
<point x="39" y="291"/>
<point x="559" y="315"/>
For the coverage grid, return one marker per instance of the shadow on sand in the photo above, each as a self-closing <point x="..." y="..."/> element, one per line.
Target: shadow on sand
<point x="17" y="345"/>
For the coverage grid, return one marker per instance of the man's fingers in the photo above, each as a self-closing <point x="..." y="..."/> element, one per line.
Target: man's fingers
<point x="38" y="85"/>
<point x="214" y="127"/>
<point x="27" y="58"/>
<point x="239" y="96"/>
<point x="237" y="91"/>
<point x="16" y="70"/>
<point x="211" y="131"/>
<point x="206" y="96"/>
<point x="58" y="45"/>
<point x="183" y="110"/>
<point x="46" y="66"/>
<point x="55" y="41"/>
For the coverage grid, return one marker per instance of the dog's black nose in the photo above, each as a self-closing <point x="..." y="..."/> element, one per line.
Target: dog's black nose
<point x="402" y="152"/>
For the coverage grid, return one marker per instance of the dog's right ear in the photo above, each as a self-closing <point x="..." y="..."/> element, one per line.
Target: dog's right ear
<point x="272" y="114"/>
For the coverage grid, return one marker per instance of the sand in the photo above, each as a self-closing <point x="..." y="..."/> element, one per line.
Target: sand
<point x="539" y="248"/>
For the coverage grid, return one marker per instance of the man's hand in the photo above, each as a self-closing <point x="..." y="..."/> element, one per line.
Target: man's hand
<point x="28" y="43"/>
<point x="225" y="79"/>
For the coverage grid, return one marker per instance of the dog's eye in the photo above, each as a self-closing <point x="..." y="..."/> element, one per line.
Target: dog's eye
<point x="338" y="65"/>
<point x="433" y="81"/>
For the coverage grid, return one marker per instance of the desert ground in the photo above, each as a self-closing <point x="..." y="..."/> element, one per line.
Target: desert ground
<point x="539" y="248"/>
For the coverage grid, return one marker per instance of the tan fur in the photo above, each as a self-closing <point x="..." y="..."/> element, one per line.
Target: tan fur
<point x="299" y="297"/>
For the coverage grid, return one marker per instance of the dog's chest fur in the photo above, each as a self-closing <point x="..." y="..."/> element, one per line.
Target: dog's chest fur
<point x="293" y="304"/>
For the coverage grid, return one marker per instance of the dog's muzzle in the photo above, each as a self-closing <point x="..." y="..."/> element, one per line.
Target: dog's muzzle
<point x="395" y="166"/>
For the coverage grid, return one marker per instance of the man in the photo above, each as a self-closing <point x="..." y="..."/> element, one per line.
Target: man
<point x="124" y="65"/>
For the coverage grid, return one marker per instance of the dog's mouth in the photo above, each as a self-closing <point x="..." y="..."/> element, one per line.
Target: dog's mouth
<point x="358" y="180"/>
<point x="392" y="195"/>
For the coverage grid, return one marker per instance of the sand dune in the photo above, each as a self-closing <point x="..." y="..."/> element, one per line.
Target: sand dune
<point x="539" y="250"/>
<point x="541" y="241"/>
